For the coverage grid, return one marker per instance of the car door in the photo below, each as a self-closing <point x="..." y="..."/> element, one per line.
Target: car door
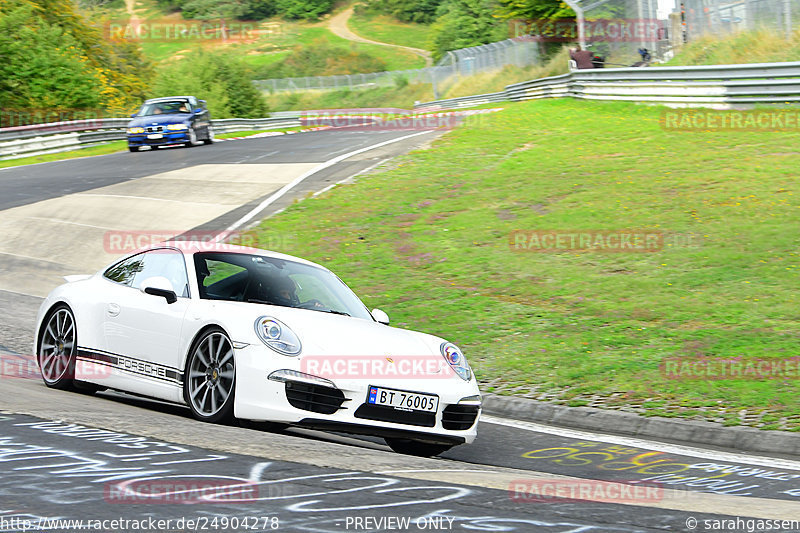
<point x="144" y="330"/>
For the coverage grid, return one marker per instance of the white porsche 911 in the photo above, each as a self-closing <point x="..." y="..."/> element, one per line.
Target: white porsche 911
<point x="256" y="335"/>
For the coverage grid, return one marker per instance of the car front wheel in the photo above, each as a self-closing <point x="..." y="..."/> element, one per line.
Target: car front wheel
<point x="58" y="346"/>
<point x="210" y="136"/>
<point x="133" y="148"/>
<point x="192" y="138"/>
<point x="208" y="385"/>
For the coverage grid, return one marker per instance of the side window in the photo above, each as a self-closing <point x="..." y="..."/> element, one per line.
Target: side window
<point x="220" y="280"/>
<point x="124" y="271"/>
<point x="165" y="263"/>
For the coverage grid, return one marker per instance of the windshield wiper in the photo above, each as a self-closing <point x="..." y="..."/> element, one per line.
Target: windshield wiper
<point x="337" y="312"/>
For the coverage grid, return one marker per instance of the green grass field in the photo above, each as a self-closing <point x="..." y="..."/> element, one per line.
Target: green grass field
<point x="272" y="44"/>
<point x="108" y="148"/>
<point x="758" y="46"/>
<point x="386" y="29"/>
<point x="431" y="247"/>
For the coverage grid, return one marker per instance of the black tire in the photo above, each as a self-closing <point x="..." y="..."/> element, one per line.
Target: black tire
<point x="192" y="138"/>
<point x="57" y="347"/>
<point x="415" y="447"/>
<point x="133" y="148"/>
<point x="209" y="381"/>
<point x="209" y="136"/>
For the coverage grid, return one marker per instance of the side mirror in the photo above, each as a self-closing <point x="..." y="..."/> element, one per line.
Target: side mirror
<point x="380" y="316"/>
<point x="134" y="115"/>
<point x="160" y="286"/>
<point x="198" y="110"/>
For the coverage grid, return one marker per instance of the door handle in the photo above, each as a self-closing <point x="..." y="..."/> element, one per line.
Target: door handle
<point x="113" y="309"/>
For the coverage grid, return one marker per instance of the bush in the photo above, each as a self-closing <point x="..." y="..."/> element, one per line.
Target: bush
<point x="222" y="80"/>
<point x="321" y="59"/>
<point x="420" y="11"/>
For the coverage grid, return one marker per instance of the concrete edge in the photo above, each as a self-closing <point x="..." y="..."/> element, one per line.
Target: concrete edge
<point x="687" y="432"/>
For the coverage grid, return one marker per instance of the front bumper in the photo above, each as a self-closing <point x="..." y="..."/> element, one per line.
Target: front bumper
<point x="141" y="139"/>
<point x="344" y="407"/>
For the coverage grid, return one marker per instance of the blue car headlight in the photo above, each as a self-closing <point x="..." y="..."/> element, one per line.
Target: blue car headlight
<point x="455" y="358"/>
<point x="277" y="335"/>
<point x="177" y="127"/>
<point x="135" y="130"/>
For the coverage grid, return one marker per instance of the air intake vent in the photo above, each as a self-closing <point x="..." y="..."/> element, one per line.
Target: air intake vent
<point x="390" y="414"/>
<point x="459" y="417"/>
<point x="314" y="398"/>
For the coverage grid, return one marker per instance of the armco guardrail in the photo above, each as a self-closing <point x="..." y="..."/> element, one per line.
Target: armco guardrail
<point x="715" y="85"/>
<point x="39" y="139"/>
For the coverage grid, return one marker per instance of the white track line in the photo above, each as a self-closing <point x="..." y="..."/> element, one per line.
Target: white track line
<point x="322" y="166"/>
<point x="702" y="453"/>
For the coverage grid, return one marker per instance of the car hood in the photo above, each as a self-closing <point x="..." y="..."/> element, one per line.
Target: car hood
<point x="329" y="334"/>
<point x="159" y="120"/>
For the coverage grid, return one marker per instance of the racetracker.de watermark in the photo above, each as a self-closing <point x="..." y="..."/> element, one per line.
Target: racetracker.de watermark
<point x="600" y="240"/>
<point x="51" y="119"/>
<point x="357" y="119"/>
<point x="586" y="241"/>
<point x="123" y="241"/>
<point x="582" y="490"/>
<point x="729" y="120"/>
<point x="183" y="490"/>
<point x="604" y="30"/>
<point x="714" y="368"/>
<point x="14" y="366"/>
<point x="376" y="366"/>
<point x="188" y="31"/>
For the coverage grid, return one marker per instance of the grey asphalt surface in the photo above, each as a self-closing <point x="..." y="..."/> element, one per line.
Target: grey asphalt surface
<point x="51" y="486"/>
<point x="48" y="473"/>
<point x="32" y="183"/>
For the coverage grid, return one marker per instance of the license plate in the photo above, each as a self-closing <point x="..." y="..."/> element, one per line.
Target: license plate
<point x="156" y="136"/>
<point x="403" y="400"/>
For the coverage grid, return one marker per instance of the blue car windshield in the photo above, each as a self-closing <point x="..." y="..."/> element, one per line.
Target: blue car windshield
<point x="168" y="107"/>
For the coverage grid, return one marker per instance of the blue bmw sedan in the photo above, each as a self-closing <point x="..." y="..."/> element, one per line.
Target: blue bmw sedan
<point x="170" y="120"/>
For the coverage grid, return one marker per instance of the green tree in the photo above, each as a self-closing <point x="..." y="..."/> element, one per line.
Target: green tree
<point x="42" y="66"/>
<point x="303" y="9"/>
<point x="535" y="9"/>
<point x="464" y="23"/>
<point x="54" y="56"/>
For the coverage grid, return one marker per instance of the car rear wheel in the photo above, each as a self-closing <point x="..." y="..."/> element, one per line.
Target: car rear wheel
<point x="415" y="447"/>
<point x="210" y="377"/>
<point x="210" y="137"/>
<point x="58" y="345"/>
<point x="133" y="148"/>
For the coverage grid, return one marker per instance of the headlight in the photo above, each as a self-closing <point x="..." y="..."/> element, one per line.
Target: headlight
<point x="177" y="127"/>
<point x="135" y="130"/>
<point x="277" y="335"/>
<point x="456" y="360"/>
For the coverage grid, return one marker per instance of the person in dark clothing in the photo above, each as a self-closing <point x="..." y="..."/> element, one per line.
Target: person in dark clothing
<point x="582" y="58"/>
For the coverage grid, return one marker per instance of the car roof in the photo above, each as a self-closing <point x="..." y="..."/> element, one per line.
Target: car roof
<point x="167" y="98"/>
<point x="191" y="247"/>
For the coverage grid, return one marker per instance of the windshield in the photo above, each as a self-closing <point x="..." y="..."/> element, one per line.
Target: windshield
<point x="266" y="280"/>
<point x="167" y="107"/>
